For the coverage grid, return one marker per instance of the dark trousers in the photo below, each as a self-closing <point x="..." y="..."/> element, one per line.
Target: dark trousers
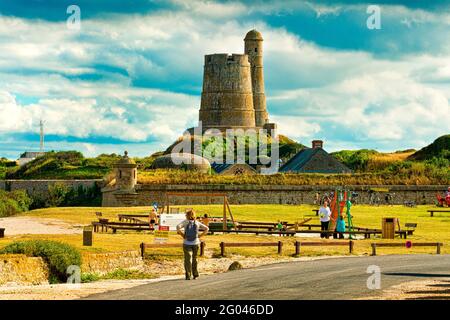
<point x="190" y="260"/>
<point x="336" y="234"/>
<point x="324" y="227"/>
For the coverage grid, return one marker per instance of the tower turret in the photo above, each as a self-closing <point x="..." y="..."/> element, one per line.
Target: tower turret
<point x="126" y="173"/>
<point x="254" y="49"/>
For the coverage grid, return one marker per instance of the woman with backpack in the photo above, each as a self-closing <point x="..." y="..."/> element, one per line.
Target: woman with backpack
<point x="189" y="230"/>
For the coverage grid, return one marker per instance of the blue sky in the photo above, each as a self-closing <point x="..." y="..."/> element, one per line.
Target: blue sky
<point x="131" y="77"/>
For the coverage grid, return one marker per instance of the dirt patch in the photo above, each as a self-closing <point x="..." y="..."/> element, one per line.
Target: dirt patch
<point x="29" y="225"/>
<point x="417" y="290"/>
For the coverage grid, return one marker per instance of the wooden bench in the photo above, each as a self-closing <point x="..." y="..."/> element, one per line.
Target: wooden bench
<point x="433" y="211"/>
<point x="438" y="245"/>
<point x="299" y="244"/>
<point x="256" y="232"/>
<point x="223" y="245"/>
<point x="316" y="211"/>
<point x="143" y="246"/>
<point x="410" y="228"/>
<point x="126" y="217"/>
<point x="114" y="226"/>
<point x="2" y="232"/>
<point x="366" y="234"/>
<point x="256" y="223"/>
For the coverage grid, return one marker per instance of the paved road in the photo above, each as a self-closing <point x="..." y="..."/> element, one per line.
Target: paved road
<point x="338" y="278"/>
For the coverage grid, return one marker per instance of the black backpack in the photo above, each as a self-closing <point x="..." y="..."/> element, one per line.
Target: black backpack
<point x="191" y="231"/>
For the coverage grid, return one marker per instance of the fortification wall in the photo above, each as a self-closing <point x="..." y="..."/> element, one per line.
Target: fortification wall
<point x="266" y="194"/>
<point x="40" y="187"/>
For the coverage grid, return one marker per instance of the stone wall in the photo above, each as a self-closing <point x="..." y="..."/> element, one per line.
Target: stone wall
<point x="18" y="269"/>
<point x="261" y="194"/>
<point x="103" y="263"/>
<point x="40" y="187"/>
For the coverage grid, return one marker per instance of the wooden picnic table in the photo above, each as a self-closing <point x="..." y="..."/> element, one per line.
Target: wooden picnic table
<point x="114" y="226"/>
<point x="436" y="210"/>
<point x="132" y="216"/>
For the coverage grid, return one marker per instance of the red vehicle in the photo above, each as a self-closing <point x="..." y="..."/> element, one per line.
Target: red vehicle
<point x="442" y="202"/>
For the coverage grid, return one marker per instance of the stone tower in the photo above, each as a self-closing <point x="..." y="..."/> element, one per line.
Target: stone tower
<point x="227" y="98"/>
<point x="233" y="89"/>
<point x="254" y="49"/>
<point x="125" y="173"/>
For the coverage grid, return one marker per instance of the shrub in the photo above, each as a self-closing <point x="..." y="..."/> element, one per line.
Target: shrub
<point x="57" y="194"/>
<point x="14" y="202"/>
<point x="59" y="256"/>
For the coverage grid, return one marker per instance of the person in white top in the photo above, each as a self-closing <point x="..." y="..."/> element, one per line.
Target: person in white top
<point x="189" y="230"/>
<point x="324" y="214"/>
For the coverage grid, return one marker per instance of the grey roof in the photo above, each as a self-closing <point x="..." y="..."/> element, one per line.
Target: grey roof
<point x="219" y="167"/>
<point x="32" y="154"/>
<point x="297" y="163"/>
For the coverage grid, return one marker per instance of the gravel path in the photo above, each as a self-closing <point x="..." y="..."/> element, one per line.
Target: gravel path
<point x="31" y="225"/>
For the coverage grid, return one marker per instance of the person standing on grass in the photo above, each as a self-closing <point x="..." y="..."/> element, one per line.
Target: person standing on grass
<point x="189" y="229"/>
<point x="340" y="226"/>
<point x="153" y="219"/>
<point x="324" y="214"/>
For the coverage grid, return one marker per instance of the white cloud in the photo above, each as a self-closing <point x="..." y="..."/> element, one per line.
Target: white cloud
<point x="299" y="128"/>
<point x="312" y="91"/>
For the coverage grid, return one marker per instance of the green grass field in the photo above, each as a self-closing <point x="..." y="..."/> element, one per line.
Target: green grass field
<point x="431" y="229"/>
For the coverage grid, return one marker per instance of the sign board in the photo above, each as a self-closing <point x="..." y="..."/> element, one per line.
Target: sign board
<point x="172" y="220"/>
<point x="162" y="234"/>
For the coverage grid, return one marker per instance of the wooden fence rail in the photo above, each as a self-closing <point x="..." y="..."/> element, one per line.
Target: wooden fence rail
<point x="143" y="246"/>
<point x="407" y="244"/>
<point x="437" y="210"/>
<point x="299" y="244"/>
<point x="278" y="244"/>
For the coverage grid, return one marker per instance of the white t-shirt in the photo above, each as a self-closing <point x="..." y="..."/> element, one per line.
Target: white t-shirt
<point x="200" y="226"/>
<point x="324" y="214"/>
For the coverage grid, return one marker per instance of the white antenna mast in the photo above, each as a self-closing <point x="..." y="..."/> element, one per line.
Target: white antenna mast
<point x="41" y="142"/>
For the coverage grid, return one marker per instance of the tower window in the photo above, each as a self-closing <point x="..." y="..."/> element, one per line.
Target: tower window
<point x="256" y="49"/>
<point x="120" y="173"/>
